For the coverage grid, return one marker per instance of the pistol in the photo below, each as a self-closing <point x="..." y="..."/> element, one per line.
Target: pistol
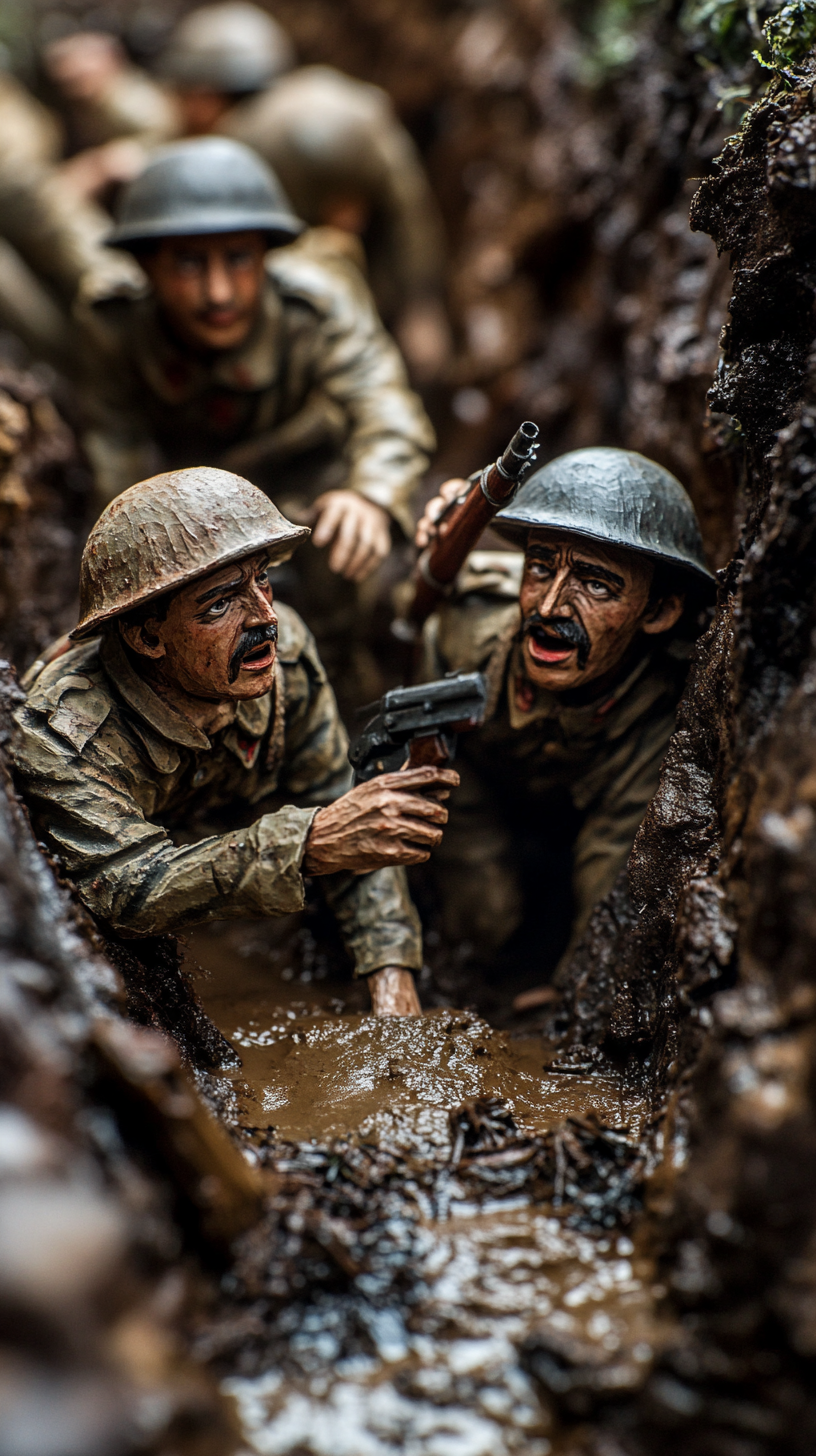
<point x="415" y="727"/>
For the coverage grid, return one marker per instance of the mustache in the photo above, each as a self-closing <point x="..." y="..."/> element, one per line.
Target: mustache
<point x="248" y="641"/>
<point x="569" y="629"/>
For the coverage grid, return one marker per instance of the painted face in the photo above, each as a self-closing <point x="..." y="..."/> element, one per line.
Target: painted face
<point x="209" y="288"/>
<point x="582" y="606"/>
<point x="217" y="641"/>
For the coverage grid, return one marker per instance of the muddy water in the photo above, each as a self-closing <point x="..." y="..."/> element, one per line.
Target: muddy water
<point x="423" y="1352"/>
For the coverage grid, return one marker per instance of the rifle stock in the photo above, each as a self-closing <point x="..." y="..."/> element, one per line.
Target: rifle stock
<point x="462" y="524"/>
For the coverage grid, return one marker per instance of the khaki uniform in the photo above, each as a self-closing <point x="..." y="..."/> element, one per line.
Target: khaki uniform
<point x="133" y="105"/>
<point x="46" y="236"/>
<point x="317" y="370"/>
<point x="578" y="779"/>
<point x="129" y="794"/>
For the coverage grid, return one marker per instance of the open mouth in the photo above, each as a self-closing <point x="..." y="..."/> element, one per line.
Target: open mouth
<point x="258" y="658"/>
<point x="546" y="649"/>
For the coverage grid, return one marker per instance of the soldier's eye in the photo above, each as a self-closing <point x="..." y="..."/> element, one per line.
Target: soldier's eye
<point x="216" y="609"/>
<point x="598" y="588"/>
<point x="263" y="577"/>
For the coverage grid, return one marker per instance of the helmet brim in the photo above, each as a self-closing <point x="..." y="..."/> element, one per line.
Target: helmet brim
<point x="517" y="531"/>
<point x="280" y="228"/>
<point x="280" y="550"/>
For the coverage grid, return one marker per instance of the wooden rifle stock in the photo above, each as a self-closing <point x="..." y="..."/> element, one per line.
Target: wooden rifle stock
<point x="462" y="523"/>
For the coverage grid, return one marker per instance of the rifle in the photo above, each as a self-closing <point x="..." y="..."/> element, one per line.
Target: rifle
<point x="415" y="727"/>
<point x="461" y="524"/>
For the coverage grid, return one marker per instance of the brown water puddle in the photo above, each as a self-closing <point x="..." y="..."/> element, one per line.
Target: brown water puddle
<point x="309" y="1072"/>
<point x="432" y="1364"/>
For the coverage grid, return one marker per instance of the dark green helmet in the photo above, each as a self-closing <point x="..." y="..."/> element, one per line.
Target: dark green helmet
<point x="612" y="496"/>
<point x="207" y="185"/>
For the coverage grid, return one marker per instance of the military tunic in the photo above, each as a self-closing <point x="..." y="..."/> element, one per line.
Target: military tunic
<point x="317" y="369"/>
<point x="537" y="763"/>
<point x="128" y="792"/>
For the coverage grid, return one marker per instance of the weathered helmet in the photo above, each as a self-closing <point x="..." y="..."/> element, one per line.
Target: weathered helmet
<point x="164" y="532"/>
<point x="613" y="496"/>
<point x="206" y="185"/>
<point x="232" y="48"/>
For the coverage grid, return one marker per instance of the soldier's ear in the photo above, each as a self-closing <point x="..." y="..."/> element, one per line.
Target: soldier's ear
<point x="141" y="639"/>
<point x="662" y="615"/>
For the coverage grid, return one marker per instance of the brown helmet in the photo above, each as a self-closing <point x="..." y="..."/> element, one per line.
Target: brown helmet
<point x="164" y="532"/>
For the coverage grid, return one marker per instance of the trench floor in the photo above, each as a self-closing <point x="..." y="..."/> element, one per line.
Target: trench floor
<point x="426" y="1352"/>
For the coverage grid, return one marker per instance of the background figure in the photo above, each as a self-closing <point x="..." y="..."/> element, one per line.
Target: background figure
<point x="49" y="237"/>
<point x="113" y="112"/>
<point x="275" y="366"/>
<point x="336" y="143"/>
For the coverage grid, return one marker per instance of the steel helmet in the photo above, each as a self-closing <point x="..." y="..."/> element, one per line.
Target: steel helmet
<point x="206" y="185"/>
<point x="234" y="48"/>
<point x="164" y="532"/>
<point x="612" y="496"/>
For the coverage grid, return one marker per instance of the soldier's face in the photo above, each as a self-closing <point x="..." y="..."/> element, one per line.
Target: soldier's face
<point x="209" y="288"/>
<point x="582" y="607"/>
<point x="217" y="641"/>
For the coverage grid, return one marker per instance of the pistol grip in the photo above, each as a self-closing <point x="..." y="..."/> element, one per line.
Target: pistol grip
<point x="429" y="751"/>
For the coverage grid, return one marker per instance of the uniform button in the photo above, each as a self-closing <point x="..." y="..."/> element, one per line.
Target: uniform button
<point x="199" y="776"/>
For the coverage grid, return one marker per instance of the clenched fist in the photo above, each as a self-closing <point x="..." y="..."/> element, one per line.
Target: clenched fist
<point x="358" y="531"/>
<point x="396" y="819"/>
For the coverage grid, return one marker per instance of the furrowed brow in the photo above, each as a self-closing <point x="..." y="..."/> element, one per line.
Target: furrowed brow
<point x="219" y="591"/>
<point x="588" y="568"/>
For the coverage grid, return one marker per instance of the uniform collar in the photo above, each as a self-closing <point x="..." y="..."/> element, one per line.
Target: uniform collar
<point x="176" y="375"/>
<point x="251" y="717"/>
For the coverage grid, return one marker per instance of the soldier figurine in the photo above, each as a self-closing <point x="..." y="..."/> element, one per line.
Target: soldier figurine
<point x="254" y="363"/>
<point x="585" y="642"/>
<point x="335" y="142"/>
<point x="185" y="759"/>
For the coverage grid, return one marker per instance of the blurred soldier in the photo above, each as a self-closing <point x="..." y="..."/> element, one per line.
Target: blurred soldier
<point x="104" y="96"/>
<point x="584" y="644"/>
<point x="341" y="153"/>
<point x="237" y="359"/>
<point x="192" y="707"/>
<point x="48" y="239"/>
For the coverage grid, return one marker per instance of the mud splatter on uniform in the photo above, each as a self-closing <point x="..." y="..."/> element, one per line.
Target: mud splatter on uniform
<point x="129" y="793"/>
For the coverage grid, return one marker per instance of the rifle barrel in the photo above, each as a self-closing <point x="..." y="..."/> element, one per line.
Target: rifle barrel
<point x="460" y="530"/>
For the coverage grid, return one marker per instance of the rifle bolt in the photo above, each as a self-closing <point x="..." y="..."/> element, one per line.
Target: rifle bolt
<point x="389" y="720"/>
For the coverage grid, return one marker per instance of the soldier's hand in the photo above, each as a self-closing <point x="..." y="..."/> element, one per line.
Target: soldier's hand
<point x="396" y="819"/>
<point x="426" y="528"/>
<point x="393" y="992"/>
<point x="359" y="532"/>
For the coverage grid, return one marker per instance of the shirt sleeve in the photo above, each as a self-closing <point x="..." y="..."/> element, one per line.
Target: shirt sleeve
<point x="126" y="868"/>
<point x="358" y="366"/>
<point x="375" y="913"/>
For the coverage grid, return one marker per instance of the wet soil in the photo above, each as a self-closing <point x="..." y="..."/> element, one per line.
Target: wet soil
<point x="462" y="1305"/>
<point x="316" y="1064"/>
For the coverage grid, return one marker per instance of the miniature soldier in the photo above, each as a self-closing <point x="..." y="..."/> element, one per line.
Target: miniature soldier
<point x="337" y="146"/>
<point x="251" y="362"/>
<point x="585" y="641"/>
<point x="185" y="759"/>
